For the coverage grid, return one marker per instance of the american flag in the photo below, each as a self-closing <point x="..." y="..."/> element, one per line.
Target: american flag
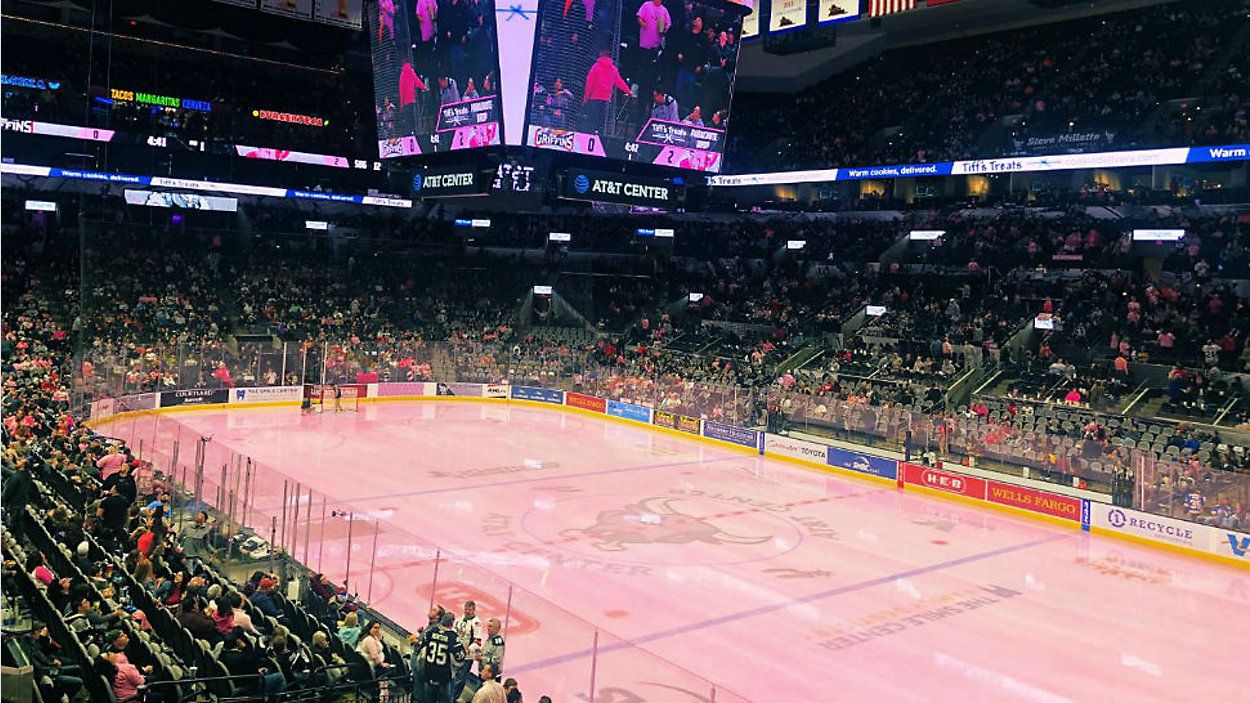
<point x="876" y="8"/>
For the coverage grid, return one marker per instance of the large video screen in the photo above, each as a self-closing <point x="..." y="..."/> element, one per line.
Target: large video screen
<point x="642" y="80"/>
<point x="435" y="75"/>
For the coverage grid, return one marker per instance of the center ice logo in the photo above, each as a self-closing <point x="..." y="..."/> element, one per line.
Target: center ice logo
<point x="654" y="521"/>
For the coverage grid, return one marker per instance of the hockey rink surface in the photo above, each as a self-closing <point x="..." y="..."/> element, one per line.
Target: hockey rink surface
<point x="670" y="569"/>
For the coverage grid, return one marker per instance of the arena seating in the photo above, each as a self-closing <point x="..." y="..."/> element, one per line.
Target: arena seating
<point x="103" y="587"/>
<point x="169" y="312"/>
<point x="1170" y="74"/>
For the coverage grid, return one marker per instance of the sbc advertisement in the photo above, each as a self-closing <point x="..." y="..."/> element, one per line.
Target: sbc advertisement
<point x="629" y="411"/>
<point x="863" y="463"/>
<point x="637" y="80"/>
<point x="435" y="75"/>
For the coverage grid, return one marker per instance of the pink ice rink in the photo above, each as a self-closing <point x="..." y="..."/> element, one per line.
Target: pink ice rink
<point x="672" y="570"/>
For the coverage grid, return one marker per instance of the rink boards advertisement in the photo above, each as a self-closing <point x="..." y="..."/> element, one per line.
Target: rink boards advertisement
<point x="1053" y="504"/>
<point x="1109" y="519"/>
<point x="195" y="396"/>
<point x="404" y="388"/>
<point x="731" y="433"/>
<point x="541" y="395"/>
<point x="629" y="411"/>
<point x="795" y="448"/>
<point x="266" y="394"/>
<point x="585" y="402"/>
<point x="863" y="463"/>
<point x="467" y="390"/>
<point x="945" y="481"/>
<point x="674" y="421"/>
<point x="1227" y="544"/>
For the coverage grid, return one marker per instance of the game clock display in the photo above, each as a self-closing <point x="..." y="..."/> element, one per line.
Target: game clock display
<point x="435" y="74"/>
<point x="638" y="80"/>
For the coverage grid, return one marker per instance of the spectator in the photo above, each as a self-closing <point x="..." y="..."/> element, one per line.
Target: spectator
<point x="349" y="630"/>
<point x="490" y="691"/>
<point x="125" y="678"/>
<point x="223" y="617"/>
<point x="41" y="650"/>
<point x="265" y="599"/>
<point x="191" y="616"/>
<point x="16" y="496"/>
<point x="371" y="648"/>
<point x="242" y="659"/>
<point x="194" y="539"/>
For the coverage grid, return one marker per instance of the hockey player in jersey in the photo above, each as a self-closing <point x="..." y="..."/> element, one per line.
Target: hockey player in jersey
<point x="442" y="653"/>
<point x="469" y="632"/>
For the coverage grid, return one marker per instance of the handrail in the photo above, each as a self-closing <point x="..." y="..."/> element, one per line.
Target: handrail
<point x="229" y="677"/>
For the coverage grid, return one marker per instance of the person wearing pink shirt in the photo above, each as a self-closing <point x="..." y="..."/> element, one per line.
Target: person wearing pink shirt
<point x="409" y="84"/>
<point x="386" y="18"/>
<point x="653" y="23"/>
<point x="427" y="12"/>
<point x="39" y="570"/>
<point x="601" y="82"/>
<point x="125" y="677"/>
<point x="109" y="463"/>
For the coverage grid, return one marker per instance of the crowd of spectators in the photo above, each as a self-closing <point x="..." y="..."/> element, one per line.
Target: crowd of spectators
<point x="122" y="569"/>
<point x="1114" y="76"/>
<point x="122" y="306"/>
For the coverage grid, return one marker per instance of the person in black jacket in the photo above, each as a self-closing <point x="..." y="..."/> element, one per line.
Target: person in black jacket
<point x="124" y="480"/>
<point x="242" y="659"/>
<point x="18" y="487"/>
<point x="42" y="651"/>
